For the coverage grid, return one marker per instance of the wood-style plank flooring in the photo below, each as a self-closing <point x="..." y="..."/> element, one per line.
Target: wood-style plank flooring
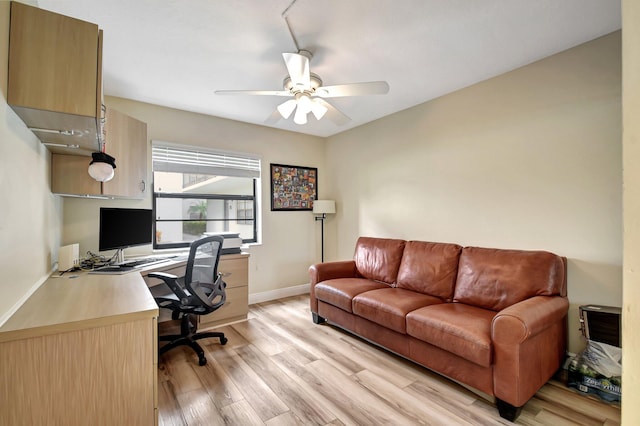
<point x="279" y="368"/>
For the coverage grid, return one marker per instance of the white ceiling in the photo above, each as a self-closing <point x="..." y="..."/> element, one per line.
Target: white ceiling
<point x="176" y="53"/>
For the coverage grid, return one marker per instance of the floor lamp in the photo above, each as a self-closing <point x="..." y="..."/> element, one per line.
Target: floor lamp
<point x="322" y="208"/>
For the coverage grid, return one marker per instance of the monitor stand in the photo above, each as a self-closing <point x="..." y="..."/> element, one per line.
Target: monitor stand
<point x="119" y="256"/>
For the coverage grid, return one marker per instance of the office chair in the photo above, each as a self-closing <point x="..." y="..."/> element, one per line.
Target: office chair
<point x="200" y="292"/>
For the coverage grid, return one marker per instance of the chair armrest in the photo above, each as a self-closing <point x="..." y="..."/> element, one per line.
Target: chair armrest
<point x="171" y="281"/>
<point x="529" y="342"/>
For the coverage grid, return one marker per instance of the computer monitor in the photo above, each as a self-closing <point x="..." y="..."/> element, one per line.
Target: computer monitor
<point x="121" y="228"/>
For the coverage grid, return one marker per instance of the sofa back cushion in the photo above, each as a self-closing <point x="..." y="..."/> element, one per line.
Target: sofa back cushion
<point x="429" y="268"/>
<point x="378" y="259"/>
<point x="496" y="279"/>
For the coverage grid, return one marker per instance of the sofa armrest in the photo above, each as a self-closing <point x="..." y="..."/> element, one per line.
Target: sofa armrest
<point x="327" y="271"/>
<point x="529" y="342"/>
<point x="519" y="322"/>
<point x="330" y="270"/>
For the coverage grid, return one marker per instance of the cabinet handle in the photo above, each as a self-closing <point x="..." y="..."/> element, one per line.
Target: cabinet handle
<point x="225" y="274"/>
<point x="143" y="186"/>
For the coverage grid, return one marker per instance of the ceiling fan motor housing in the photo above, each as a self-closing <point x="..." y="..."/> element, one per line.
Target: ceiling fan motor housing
<point x="314" y="82"/>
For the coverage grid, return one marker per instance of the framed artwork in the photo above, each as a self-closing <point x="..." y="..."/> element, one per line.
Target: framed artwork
<point x="293" y="187"/>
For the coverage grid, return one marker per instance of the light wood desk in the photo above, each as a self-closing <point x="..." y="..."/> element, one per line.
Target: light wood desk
<point x="81" y="351"/>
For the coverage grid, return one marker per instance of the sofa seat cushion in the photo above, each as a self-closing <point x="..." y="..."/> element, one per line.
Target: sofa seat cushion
<point x="461" y="329"/>
<point x="389" y="306"/>
<point x="340" y="292"/>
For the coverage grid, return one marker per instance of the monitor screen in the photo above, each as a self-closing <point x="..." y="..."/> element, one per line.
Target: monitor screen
<point x="122" y="228"/>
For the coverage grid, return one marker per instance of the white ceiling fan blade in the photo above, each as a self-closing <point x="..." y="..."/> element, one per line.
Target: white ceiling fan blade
<point x="273" y="118"/>
<point x="254" y="92"/>
<point x="298" y="68"/>
<point x="353" y="89"/>
<point x="333" y="113"/>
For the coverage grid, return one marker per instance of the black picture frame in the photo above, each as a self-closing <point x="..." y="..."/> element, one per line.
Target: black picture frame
<point x="293" y="187"/>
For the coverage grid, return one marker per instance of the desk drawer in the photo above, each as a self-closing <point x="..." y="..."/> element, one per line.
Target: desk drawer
<point x="235" y="307"/>
<point x="235" y="271"/>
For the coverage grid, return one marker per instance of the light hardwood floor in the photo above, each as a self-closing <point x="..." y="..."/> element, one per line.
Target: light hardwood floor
<point x="279" y="368"/>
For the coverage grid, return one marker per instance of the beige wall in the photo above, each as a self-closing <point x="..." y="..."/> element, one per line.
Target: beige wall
<point x="631" y="212"/>
<point x="289" y="239"/>
<point x="530" y="160"/>
<point x="30" y="217"/>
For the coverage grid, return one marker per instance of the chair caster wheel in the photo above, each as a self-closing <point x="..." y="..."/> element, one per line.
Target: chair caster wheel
<point x="223" y="340"/>
<point x="202" y="361"/>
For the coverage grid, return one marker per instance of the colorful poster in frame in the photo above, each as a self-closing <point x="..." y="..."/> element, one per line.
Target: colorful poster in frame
<point x="293" y="187"/>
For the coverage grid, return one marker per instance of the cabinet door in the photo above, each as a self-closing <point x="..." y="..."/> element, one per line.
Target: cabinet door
<point x="53" y="62"/>
<point x="126" y="141"/>
<point x="69" y="175"/>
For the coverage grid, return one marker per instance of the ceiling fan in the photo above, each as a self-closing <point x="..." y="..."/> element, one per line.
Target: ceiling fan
<point x="308" y="94"/>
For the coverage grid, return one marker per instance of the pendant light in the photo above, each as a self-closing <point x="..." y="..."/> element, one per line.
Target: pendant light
<point x="102" y="166"/>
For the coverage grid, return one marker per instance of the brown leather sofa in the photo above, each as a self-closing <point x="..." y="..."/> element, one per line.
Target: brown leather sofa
<point x="492" y="319"/>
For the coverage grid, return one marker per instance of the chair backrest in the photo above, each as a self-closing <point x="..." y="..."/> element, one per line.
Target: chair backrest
<point x="201" y="276"/>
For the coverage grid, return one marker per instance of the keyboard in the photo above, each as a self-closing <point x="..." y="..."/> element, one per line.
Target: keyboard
<point x="112" y="269"/>
<point x="139" y="263"/>
<point x="130" y="265"/>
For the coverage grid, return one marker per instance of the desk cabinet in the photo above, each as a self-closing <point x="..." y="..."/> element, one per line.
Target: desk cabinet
<point x="81" y="351"/>
<point x="235" y="269"/>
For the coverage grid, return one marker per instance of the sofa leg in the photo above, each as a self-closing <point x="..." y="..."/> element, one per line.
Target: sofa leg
<point x="317" y="319"/>
<point x="508" y="411"/>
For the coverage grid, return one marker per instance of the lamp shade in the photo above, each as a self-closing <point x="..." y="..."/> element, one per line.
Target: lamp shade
<point x="101" y="166"/>
<point x="324" y="206"/>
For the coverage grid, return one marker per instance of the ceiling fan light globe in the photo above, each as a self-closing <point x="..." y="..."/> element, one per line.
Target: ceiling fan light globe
<point x="286" y="108"/>
<point x="318" y="110"/>
<point x="304" y="103"/>
<point x="300" y="117"/>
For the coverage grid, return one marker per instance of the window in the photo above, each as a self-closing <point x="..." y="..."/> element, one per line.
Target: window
<point x="198" y="192"/>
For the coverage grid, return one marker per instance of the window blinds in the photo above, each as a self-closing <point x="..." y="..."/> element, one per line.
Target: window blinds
<point x="196" y="160"/>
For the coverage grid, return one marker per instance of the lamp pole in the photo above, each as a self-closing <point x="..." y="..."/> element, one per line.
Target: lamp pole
<point x="321" y="208"/>
<point x="321" y="219"/>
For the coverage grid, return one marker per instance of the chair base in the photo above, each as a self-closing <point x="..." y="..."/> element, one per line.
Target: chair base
<point x="188" y="337"/>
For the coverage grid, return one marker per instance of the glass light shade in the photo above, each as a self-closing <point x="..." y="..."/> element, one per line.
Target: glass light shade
<point x="102" y="172"/>
<point x="318" y="110"/>
<point x="286" y="108"/>
<point x="324" y="207"/>
<point x="300" y="117"/>
<point x="304" y="103"/>
<point x="102" y="166"/>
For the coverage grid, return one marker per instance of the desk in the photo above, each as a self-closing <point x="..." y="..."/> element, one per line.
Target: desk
<point x="81" y="351"/>
<point x="235" y="271"/>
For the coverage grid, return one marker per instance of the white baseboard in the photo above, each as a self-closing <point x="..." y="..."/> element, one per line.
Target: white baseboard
<point x="23" y="299"/>
<point x="280" y="293"/>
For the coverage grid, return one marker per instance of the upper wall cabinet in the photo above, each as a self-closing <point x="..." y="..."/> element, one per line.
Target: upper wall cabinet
<point x="126" y="141"/>
<point x="55" y="76"/>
